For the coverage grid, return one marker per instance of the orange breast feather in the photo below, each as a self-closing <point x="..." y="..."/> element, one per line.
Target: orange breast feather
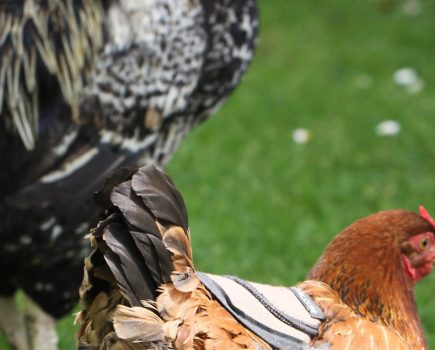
<point x="346" y="330"/>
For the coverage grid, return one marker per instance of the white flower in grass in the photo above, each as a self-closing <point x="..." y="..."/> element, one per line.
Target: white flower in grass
<point x="416" y="87"/>
<point x="412" y="8"/>
<point x="388" y="128"/>
<point x="409" y="79"/>
<point x="301" y="135"/>
<point x="405" y="76"/>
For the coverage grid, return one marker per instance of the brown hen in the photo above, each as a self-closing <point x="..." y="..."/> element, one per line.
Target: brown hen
<point x="141" y="290"/>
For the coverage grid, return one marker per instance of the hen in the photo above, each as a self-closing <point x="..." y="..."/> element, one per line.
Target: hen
<point x="141" y="290"/>
<point x="85" y="87"/>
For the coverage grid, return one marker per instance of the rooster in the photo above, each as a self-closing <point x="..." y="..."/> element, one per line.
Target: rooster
<point x="142" y="291"/>
<point x="86" y="87"/>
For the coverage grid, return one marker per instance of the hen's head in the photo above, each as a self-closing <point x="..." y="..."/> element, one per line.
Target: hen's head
<point x="418" y="250"/>
<point x="374" y="263"/>
<point x="393" y="239"/>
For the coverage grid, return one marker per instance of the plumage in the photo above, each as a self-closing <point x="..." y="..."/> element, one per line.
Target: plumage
<point x="348" y="283"/>
<point x="163" y="200"/>
<point x="191" y="314"/>
<point x="346" y="329"/>
<point x="85" y="88"/>
<point x="132" y="323"/>
<point x="132" y="208"/>
<point x="382" y="294"/>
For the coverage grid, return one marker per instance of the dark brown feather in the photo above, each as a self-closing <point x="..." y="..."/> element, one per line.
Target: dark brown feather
<point x="123" y="284"/>
<point x="160" y="196"/>
<point x="151" y="245"/>
<point x="133" y="209"/>
<point x="102" y="197"/>
<point x="138" y="272"/>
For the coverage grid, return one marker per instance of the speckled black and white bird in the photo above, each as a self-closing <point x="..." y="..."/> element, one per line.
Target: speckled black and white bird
<point x="85" y="87"/>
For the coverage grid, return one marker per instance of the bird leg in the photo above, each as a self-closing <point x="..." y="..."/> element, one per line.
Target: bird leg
<point x="41" y="327"/>
<point x="12" y="324"/>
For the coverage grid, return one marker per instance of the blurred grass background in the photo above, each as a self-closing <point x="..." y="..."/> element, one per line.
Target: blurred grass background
<point x="263" y="207"/>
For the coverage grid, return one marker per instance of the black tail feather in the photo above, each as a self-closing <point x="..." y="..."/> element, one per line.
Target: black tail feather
<point x="139" y="212"/>
<point x="160" y="196"/>
<point x="122" y="282"/>
<point x="133" y="209"/>
<point x="148" y="244"/>
<point x="133" y="266"/>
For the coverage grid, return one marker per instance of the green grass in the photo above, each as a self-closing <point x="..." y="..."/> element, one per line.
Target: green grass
<point x="263" y="207"/>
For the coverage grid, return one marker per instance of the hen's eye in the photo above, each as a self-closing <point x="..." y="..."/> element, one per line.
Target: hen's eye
<point x="424" y="243"/>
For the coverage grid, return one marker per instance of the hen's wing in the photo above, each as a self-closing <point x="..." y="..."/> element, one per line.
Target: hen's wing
<point x="140" y="284"/>
<point x="344" y="329"/>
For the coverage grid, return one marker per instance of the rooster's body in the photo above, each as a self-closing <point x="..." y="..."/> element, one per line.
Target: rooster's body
<point x="86" y="87"/>
<point x="141" y="290"/>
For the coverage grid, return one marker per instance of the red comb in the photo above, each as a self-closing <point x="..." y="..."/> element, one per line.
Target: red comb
<point x="425" y="215"/>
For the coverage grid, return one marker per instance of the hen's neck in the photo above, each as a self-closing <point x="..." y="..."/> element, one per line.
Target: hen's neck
<point x="380" y="295"/>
